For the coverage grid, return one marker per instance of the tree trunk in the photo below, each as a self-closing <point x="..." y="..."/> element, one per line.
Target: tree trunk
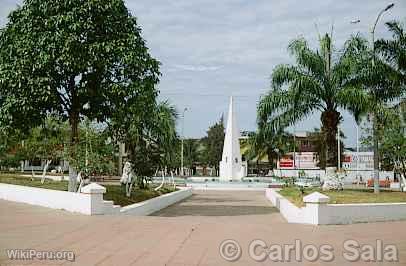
<point x="44" y="172"/>
<point x="270" y="159"/>
<point x="330" y="120"/>
<point x="74" y="123"/>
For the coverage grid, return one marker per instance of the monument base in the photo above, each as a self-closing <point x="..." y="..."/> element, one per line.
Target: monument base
<point x="232" y="173"/>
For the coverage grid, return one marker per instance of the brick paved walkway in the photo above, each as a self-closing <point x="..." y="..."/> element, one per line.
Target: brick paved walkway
<point x="188" y="233"/>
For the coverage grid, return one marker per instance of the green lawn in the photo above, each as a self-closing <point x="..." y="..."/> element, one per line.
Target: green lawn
<point x="346" y="196"/>
<point x="113" y="192"/>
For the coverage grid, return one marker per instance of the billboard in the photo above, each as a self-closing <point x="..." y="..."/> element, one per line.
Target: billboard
<point x="365" y="160"/>
<point x="303" y="160"/>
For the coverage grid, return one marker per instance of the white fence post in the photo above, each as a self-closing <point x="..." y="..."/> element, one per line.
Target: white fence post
<point x="314" y="203"/>
<point x="96" y="192"/>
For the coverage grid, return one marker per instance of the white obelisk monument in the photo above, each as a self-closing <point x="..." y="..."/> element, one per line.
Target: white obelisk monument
<point x="231" y="166"/>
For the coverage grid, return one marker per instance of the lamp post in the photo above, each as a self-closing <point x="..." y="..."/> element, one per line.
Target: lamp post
<point x="374" y="116"/>
<point x="357" y="165"/>
<point x="338" y="149"/>
<point x="375" y="120"/>
<point x="181" y="153"/>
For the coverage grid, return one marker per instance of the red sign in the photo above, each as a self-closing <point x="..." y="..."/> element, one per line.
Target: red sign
<point x="347" y="159"/>
<point x="286" y="163"/>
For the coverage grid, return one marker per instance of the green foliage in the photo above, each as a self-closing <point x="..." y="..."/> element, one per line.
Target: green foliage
<point x="95" y="152"/>
<point x="213" y="143"/>
<point x="192" y="152"/>
<point x="317" y="82"/>
<point x="60" y="55"/>
<point x="345" y="196"/>
<point x="9" y="147"/>
<point x="272" y="145"/>
<point x="392" y="138"/>
<point x="73" y="58"/>
<point x="318" y="138"/>
<point x="394" y="52"/>
<point x="113" y="192"/>
<point x="151" y="139"/>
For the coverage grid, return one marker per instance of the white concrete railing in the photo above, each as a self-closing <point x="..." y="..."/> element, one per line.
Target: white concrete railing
<point x="155" y="204"/>
<point x="89" y="201"/>
<point x="317" y="211"/>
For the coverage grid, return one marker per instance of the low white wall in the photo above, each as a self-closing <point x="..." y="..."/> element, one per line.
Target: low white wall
<point x="320" y="213"/>
<point x="357" y="213"/>
<point x="89" y="202"/>
<point x="349" y="176"/>
<point x="289" y="211"/>
<point x="70" y="201"/>
<point x="155" y="204"/>
<point x="293" y="172"/>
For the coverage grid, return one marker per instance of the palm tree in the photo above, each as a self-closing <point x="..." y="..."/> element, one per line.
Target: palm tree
<point x="151" y="143"/>
<point x="317" y="82"/>
<point x="381" y="73"/>
<point x="271" y="145"/>
<point x="164" y="133"/>
<point x="393" y="52"/>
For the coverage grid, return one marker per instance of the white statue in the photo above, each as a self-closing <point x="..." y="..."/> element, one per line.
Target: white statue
<point x="334" y="181"/>
<point x="127" y="178"/>
<point x="162" y="181"/>
<point x="82" y="180"/>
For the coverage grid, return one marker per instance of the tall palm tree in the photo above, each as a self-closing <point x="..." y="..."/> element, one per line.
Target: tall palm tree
<point x="317" y="82"/>
<point x="393" y="52"/>
<point x="381" y="73"/>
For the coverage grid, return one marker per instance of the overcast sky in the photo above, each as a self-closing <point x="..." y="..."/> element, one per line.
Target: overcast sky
<point x="212" y="49"/>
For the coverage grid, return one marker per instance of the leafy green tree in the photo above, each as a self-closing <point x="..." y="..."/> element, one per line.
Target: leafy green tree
<point x="317" y="82"/>
<point x="392" y="138"/>
<point x="213" y="143"/>
<point x="95" y="152"/>
<point x="10" y="144"/>
<point x="76" y="58"/>
<point x="45" y="142"/>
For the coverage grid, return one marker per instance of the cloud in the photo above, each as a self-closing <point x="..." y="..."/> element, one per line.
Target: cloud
<point x="218" y="48"/>
<point x="196" y="68"/>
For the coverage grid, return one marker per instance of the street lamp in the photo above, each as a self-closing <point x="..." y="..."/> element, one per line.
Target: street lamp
<point x="374" y="118"/>
<point x="376" y="143"/>
<point x="182" y="137"/>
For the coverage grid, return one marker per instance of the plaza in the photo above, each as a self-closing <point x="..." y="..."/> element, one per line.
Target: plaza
<point x="188" y="233"/>
<point x="207" y="133"/>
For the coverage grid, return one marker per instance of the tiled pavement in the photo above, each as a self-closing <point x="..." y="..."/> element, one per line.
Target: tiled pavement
<point x="188" y="233"/>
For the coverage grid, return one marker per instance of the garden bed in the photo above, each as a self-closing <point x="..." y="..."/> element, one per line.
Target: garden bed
<point x="346" y="196"/>
<point x="115" y="193"/>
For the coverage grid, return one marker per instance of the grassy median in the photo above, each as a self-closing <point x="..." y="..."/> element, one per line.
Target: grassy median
<point x="115" y="193"/>
<point x="345" y="196"/>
